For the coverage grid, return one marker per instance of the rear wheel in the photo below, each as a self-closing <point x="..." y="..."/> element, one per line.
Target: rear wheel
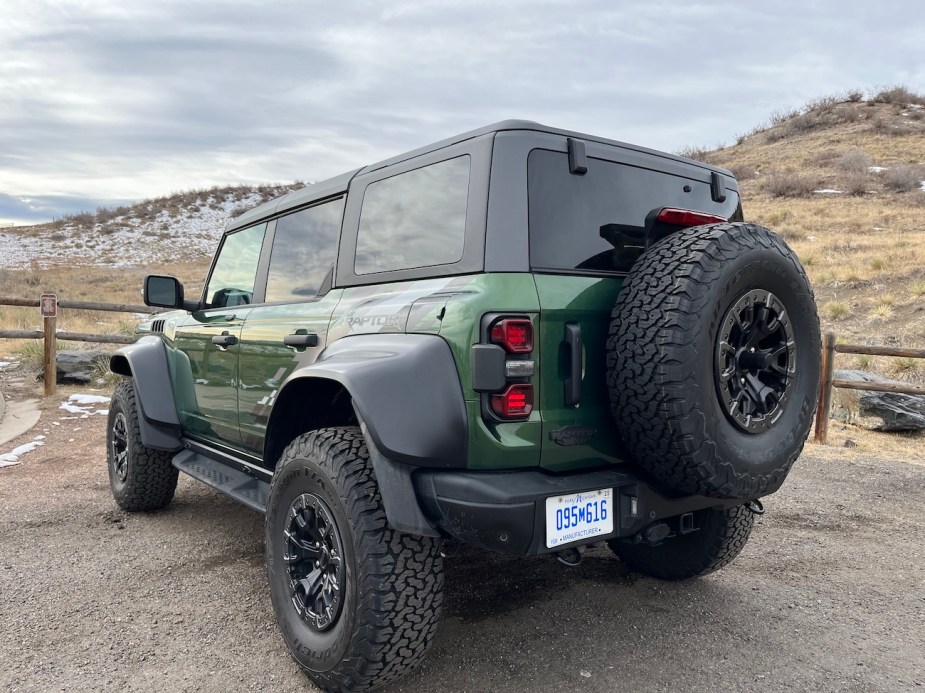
<point x="357" y="602"/>
<point x="141" y="478"/>
<point x="713" y="360"/>
<point x="719" y="537"/>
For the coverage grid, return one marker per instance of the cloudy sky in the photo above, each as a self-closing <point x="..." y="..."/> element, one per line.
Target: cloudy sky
<point x="103" y="101"/>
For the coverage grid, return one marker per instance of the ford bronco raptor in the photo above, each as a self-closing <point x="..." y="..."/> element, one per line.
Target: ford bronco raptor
<point x="523" y="339"/>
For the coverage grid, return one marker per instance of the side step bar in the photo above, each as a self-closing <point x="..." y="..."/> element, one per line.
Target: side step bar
<point x="253" y="493"/>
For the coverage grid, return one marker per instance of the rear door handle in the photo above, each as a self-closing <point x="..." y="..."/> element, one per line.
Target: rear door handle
<point x="301" y="340"/>
<point x="224" y="340"/>
<point x="576" y="365"/>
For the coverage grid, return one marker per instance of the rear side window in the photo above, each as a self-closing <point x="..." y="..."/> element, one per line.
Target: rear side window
<point x="596" y="223"/>
<point x="304" y="248"/>
<point x="414" y="219"/>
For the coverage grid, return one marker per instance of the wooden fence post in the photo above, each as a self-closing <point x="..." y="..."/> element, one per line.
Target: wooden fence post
<point x="51" y="360"/>
<point x="824" y="408"/>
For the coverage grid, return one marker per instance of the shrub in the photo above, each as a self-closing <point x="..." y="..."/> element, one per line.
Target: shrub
<point x="898" y="95"/>
<point x="855" y="95"/>
<point x="790" y="184"/>
<point x="856" y="182"/>
<point x="904" y="178"/>
<point x="743" y="171"/>
<point x="696" y="153"/>
<point x="836" y="309"/>
<point x="855" y="160"/>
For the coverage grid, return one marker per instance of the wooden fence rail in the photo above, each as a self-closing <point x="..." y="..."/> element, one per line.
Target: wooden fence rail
<point x="50" y="335"/>
<point x="828" y="381"/>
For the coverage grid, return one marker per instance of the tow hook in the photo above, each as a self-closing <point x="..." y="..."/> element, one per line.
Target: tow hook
<point x="755" y="507"/>
<point x="571" y="557"/>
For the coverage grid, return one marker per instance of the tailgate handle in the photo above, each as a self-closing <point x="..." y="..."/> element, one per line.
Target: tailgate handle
<point x="301" y="340"/>
<point x="575" y="367"/>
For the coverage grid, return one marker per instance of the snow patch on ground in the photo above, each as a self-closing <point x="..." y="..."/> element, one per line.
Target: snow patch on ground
<point x="88" y="401"/>
<point x="922" y="186"/>
<point x="878" y="169"/>
<point x="12" y="457"/>
<point x="828" y="191"/>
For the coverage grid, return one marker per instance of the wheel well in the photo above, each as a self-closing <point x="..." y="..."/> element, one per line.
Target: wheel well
<point x="305" y="405"/>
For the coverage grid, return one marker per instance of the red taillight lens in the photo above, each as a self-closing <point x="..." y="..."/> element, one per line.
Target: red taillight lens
<point x="685" y="217"/>
<point x="515" y="335"/>
<point x="516" y="402"/>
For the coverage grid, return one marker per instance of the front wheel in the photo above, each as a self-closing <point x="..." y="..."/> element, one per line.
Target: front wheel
<point x="141" y="478"/>
<point x="718" y="537"/>
<point x="357" y="602"/>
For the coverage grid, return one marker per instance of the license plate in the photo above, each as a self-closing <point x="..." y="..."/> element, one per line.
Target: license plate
<point x="578" y="517"/>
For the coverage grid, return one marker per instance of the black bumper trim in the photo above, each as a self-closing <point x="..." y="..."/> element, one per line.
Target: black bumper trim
<point x="505" y="511"/>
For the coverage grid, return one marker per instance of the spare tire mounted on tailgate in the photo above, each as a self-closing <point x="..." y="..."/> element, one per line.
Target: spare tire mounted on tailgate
<point x="713" y="360"/>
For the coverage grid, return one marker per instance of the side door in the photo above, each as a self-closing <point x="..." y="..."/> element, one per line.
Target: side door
<point x="290" y="329"/>
<point x="208" y="341"/>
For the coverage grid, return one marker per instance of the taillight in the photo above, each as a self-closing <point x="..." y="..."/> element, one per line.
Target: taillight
<point x="686" y="217"/>
<point x="516" y="402"/>
<point x="502" y="372"/>
<point x="514" y="334"/>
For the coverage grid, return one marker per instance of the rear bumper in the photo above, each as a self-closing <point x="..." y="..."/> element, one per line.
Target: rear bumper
<point x="505" y="511"/>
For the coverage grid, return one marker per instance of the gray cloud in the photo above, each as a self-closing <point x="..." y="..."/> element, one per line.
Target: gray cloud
<point x="110" y="99"/>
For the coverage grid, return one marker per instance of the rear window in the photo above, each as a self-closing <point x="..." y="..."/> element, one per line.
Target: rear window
<point x="596" y="223"/>
<point x="414" y="219"/>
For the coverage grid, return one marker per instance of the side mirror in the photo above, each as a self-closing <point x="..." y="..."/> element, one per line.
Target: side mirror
<point x="163" y="292"/>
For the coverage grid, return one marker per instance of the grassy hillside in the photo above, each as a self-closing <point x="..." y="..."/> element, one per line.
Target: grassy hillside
<point x="843" y="181"/>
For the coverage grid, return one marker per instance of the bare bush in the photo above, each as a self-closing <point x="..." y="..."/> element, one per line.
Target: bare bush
<point x="855" y="160"/>
<point x="904" y="178"/>
<point x="790" y="184"/>
<point x="695" y="153"/>
<point x="856" y="182"/>
<point x="855" y="95"/>
<point x="743" y="171"/>
<point x="898" y="95"/>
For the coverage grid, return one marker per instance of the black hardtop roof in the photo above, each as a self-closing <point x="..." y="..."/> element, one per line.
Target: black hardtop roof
<point x="339" y="184"/>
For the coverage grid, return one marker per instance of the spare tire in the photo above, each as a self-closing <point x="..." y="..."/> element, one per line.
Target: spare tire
<point x="713" y="360"/>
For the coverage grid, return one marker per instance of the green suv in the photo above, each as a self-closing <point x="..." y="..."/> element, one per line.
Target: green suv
<point x="521" y="338"/>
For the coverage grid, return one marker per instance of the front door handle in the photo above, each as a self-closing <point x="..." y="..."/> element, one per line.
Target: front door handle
<point x="301" y="340"/>
<point x="224" y="340"/>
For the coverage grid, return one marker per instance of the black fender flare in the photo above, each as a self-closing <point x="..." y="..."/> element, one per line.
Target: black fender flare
<point x="145" y="362"/>
<point x="406" y="393"/>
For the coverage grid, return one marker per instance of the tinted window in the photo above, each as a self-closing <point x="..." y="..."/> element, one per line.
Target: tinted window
<point x="597" y="222"/>
<point x="414" y="219"/>
<point x="303" y="251"/>
<point x="232" y="280"/>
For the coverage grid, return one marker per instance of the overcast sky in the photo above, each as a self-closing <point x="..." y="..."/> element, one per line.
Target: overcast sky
<point x="109" y="100"/>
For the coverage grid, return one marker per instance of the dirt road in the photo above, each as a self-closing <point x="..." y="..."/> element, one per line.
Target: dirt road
<point x="828" y="595"/>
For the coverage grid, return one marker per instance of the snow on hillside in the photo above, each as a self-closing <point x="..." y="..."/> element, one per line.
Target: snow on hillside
<point x="178" y="228"/>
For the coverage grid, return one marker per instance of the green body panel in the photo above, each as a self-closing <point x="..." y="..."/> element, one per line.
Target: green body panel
<point x="207" y="404"/>
<point x="586" y="302"/>
<point x="492" y="445"/>
<point x="264" y="362"/>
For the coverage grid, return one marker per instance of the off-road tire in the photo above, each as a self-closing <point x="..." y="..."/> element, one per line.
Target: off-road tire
<point x="720" y="536"/>
<point x="150" y="480"/>
<point x="664" y="331"/>
<point x="394" y="581"/>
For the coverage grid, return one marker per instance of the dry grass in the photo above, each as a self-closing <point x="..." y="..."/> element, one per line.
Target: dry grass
<point x="83" y="284"/>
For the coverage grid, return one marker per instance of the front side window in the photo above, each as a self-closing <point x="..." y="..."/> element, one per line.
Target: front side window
<point x="414" y="219"/>
<point x="304" y="248"/>
<point x="235" y="271"/>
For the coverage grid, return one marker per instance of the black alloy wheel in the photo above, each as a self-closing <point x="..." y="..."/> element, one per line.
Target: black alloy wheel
<point x="118" y="443"/>
<point x="314" y="558"/>
<point x="755" y="360"/>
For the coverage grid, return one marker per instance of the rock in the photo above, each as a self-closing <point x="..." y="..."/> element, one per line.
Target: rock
<point x="850" y="443"/>
<point x="77" y="367"/>
<point x="896" y="412"/>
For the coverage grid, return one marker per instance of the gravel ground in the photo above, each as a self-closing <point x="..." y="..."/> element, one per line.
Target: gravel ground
<point x="829" y="594"/>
